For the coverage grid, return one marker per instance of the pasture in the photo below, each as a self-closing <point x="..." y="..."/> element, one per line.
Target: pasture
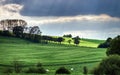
<point x="51" y="55"/>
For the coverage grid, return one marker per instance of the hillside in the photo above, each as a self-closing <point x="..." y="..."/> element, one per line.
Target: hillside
<point x="51" y="55"/>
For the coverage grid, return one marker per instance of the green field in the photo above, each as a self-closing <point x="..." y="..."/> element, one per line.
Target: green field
<point x="51" y="55"/>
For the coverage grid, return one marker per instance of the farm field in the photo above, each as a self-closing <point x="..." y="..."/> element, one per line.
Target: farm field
<point x="51" y="55"/>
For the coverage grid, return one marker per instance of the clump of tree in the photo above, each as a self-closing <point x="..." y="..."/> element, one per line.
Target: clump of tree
<point x="76" y="40"/>
<point x="108" y="66"/>
<point x="106" y="44"/>
<point x="68" y="35"/>
<point x="62" y="70"/>
<point x="114" y="46"/>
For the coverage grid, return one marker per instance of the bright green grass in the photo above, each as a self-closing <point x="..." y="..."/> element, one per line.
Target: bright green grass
<point x="85" y="42"/>
<point x="49" y="54"/>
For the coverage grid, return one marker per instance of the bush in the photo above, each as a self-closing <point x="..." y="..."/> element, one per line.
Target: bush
<point x="1" y="32"/>
<point x="40" y="70"/>
<point x="62" y="70"/>
<point x="17" y="65"/>
<point x="37" y="69"/>
<point x="8" y="70"/>
<point x="85" y="70"/>
<point x="108" y="66"/>
<point x="114" y="46"/>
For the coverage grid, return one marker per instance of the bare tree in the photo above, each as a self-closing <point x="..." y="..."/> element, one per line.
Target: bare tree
<point x="9" y="24"/>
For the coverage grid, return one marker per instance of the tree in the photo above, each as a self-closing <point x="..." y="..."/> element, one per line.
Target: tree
<point x="114" y="46"/>
<point x="108" y="66"/>
<point x="69" y="41"/>
<point x="35" y="30"/>
<point x="9" y="24"/>
<point x="18" y="31"/>
<point x="106" y="44"/>
<point x="60" y="39"/>
<point x="76" y="40"/>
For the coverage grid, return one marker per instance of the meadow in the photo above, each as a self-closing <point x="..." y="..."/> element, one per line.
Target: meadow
<point x="51" y="55"/>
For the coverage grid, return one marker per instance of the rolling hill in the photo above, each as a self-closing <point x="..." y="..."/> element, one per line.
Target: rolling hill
<point x="51" y="55"/>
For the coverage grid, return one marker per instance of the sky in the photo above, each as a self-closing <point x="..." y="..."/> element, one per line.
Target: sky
<point x="93" y="19"/>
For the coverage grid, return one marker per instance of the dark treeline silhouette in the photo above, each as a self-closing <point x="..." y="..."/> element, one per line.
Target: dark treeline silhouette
<point x="106" y="44"/>
<point x="68" y="35"/>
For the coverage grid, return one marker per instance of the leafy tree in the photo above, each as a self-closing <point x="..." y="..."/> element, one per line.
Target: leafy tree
<point x="114" y="46"/>
<point x="35" y="30"/>
<point x="76" y="40"/>
<point x="108" y="66"/>
<point x="60" y="39"/>
<point x="106" y="44"/>
<point x="18" y="31"/>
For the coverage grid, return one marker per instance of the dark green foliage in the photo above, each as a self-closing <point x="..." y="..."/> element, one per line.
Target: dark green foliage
<point x="38" y="69"/>
<point x="18" y="31"/>
<point x="85" y="70"/>
<point x="17" y="65"/>
<point x="108" y="66"/>
<point x="62" y="70"/>
<point x="69" y="41"/>
<point x="7" y="70"/>
<point x="60" y="39"/>
<point x="97" y="71"/>
<point x="1" y="32"/>
<point x="106" y="44"/>
<point x="114" y="46"/>
<point x="76" y="40"/>
<point x="39" y="65"/>
<point x="6" y="33"/>
<point x="68" y="35"/>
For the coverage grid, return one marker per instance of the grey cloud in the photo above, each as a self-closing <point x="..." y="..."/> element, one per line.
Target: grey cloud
<point x="69" y="7"/>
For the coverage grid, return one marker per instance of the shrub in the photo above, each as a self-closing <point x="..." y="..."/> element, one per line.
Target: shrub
<point x="1" y="32"/>
<point x="8" y="70"/>
<point x="85" y="70"/>
<point x="37" y="69"/>
<point x="39" y="65"/>
<point x="6" y="33"/>
<point x="62" y="70"/>
<point x="108" y="66"/>
<point x="40" y="70"/>
<point x="17" y="65"/>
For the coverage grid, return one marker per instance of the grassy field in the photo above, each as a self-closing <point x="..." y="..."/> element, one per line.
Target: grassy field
<point x="51" y="55"/>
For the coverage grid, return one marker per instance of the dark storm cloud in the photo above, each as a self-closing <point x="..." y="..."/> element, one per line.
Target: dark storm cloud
<point x="69" y="7"/>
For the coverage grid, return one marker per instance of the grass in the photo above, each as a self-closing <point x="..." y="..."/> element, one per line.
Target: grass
<point x="52" y="56"/>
